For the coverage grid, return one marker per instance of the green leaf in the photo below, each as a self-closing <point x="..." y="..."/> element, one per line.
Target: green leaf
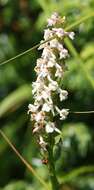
<point x="15" y="99"/>
<point x="21" y="185"/>
<point x="77" y="172"/>
<point x="80" y="61"/>
<point x="88" y="51"/>
<point x="80" y="133"/>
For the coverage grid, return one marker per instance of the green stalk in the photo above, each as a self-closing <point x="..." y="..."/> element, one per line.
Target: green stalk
<point x="51" y="166"/>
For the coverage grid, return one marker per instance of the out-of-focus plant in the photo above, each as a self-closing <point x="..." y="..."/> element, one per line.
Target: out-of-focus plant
<point x="21" y="23"/>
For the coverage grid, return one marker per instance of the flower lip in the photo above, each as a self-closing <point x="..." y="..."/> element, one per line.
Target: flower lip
<point x="50" y="128"/>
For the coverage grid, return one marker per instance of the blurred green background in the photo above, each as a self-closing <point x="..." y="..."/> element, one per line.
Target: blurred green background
<point x="21" y="26"/>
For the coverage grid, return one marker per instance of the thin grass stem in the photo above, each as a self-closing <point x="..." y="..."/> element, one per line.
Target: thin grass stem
<point x="76" y="23"/>
<point x="28" y="165"/>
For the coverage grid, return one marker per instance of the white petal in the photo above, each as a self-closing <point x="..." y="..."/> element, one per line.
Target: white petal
<point x="59" y="32"/>
<point x="35" y="129"/>
<point x="62" y="94"/>
<point x="32" y="108"/>
<point x="53" y="19"/>
<point x="50" y="127"/>
<point x="63" y="53"/>
<point x="53" y="86"/>
<point x="63" y="114"/>
<point x="51" y="63"/>
<point x="47" y="34"/>
<point x="46" y="107"/>
<point x="71" y="35"/>
<point x="39" y="116"/>
<point x="42" y="143"/>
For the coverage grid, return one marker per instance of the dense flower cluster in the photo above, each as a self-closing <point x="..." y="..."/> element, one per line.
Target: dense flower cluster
<point x="46" y="89"/>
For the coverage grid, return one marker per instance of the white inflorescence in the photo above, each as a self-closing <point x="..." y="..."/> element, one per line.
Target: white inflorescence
<point x="46" y="89"/>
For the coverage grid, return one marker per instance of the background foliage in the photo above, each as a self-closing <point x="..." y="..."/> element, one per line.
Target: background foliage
<point x="21" y="26"/>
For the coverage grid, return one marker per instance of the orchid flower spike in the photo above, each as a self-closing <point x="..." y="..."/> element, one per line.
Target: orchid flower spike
<point x="46" y="89"/>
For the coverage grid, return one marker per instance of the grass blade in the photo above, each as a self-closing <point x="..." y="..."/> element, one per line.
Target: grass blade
<point x="76" y="172"/>
<point x="29" y="167"/>
<point x="76" y="23"/>
<point x="79" y="21"/>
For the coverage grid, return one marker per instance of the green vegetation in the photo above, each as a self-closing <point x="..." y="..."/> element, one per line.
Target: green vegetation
<point x="21" y="27"/>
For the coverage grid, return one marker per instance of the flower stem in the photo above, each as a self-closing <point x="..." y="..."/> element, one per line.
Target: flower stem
<point x="51" y="166"/>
